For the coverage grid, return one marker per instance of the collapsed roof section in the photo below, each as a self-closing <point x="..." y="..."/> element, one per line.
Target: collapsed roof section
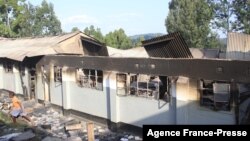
<point x="167" y="46"/>
<point x="75" y="43"/>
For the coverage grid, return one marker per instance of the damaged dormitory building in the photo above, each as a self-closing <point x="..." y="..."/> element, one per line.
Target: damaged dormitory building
<point x="163" y="82"/>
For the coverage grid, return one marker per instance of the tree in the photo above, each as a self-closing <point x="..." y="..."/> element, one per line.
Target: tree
<point x="46" y="22"/>
<point x="231" y="15"/>
<point x="138" y="42"/>
<point x="26" y="21"/>
<point x="118" y="39"/>
<point x="192" y="19"/>
<point x="10" y="12"/>
<point x="20" y="19"/>
<point x="74" y="29"/>
<point x="94" y="32"/>
<point x="223" y="12"/>
<point x="242" y="13"/>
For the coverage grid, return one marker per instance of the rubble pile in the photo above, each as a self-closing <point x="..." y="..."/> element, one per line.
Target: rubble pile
<point x="49" y="124"/>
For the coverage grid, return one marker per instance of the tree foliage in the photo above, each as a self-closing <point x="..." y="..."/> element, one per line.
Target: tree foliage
<point x="138" y="42"/>
<point x="231" y="15"/>
<point x="46" y="22"/>
<point x="192" y="19"/>
<point x="10" y="16"/>
<point x="26" y="22"/>
<point x="223" y="12"/>
<point x="94" y="32"/>
<point x="242" y="13"/>
<point x="74" y="29"/>
<point x="21" y="19"/>
<point x="118" y="39"/>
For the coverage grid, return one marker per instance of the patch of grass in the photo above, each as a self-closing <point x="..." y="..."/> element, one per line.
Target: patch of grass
<point x="5" y="118"/>
<point x="7" y="122"/>
<point x="21" y="126"/>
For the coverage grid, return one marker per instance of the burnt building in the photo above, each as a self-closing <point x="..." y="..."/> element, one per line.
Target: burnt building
<point x="168" y="85"/>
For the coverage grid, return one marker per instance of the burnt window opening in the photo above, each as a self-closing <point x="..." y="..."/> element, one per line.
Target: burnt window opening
<point x="121" y="84"/>
<point x="139" y="85"/>
<point x="57" y="74"/>
<point x="8" y="67"/>
<point x="215" y="95"/>
<point x="89" y="78"/>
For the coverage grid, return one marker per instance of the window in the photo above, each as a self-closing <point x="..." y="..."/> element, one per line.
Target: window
<point x="121" y="84"/>
<point x="141" y="85"/>
<point x="89" y="78"/>
<point x="215" y="95"/>
<point x="145" y="86"/>
<point x="57" y="74"/>
<point x="8" y="67"/>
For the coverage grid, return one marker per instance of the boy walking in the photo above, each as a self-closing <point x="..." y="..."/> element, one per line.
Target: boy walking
<point x="17" y="108"/>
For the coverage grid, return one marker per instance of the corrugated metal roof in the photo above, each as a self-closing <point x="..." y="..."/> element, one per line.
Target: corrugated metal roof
<point x="238" y="46"/>
<point x="167" y="46"/>
<point x="19" y="48"/>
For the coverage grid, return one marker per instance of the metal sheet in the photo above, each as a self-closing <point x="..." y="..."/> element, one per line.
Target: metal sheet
<point x="238" y="46"/>
<point x="167" y="46"/>
<point x="18" y="49"/>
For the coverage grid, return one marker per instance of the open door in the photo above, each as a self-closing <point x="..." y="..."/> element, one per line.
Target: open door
<point x="32" y="82"/>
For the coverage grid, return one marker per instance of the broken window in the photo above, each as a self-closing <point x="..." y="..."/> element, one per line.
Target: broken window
<point x="145" y="86"/>
<point x="8" y="67"/>
<point x="89" y="78"/>
<point x="121" y="84"/>
<point x="57" y="74"/>
<point x="142" y="86"/>
<point x="215" y="95"/>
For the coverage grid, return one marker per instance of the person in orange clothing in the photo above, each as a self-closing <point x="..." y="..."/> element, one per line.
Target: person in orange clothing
<point x="17" y="108"/>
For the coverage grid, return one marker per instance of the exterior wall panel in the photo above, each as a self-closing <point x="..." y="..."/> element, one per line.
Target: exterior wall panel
<point x="238" y="46"/>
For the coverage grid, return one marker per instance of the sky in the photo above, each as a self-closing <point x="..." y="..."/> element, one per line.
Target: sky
<point x="134" y="16"/>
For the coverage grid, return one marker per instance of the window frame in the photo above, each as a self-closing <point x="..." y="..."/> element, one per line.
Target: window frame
<point x="89" y="78"/>
<point x="132" y="81"/>
<point x="57" y="74"/>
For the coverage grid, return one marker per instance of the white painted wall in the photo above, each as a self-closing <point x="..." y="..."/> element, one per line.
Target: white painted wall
<point x="12" y="80"/>
<point x="26" y="81"/>
<point x="1" y="76"/>
<point x="185" y="109"/>
<point x="190" y="112"/>
<point x="107" y="104"/>
<point x="17" y="79"/>
<point x="87" y="100"/>
<point x="39" y="87"/>
<point x="56" y="93"/>
<point x="138" y="111"/>
<point x="9" y="81"/>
